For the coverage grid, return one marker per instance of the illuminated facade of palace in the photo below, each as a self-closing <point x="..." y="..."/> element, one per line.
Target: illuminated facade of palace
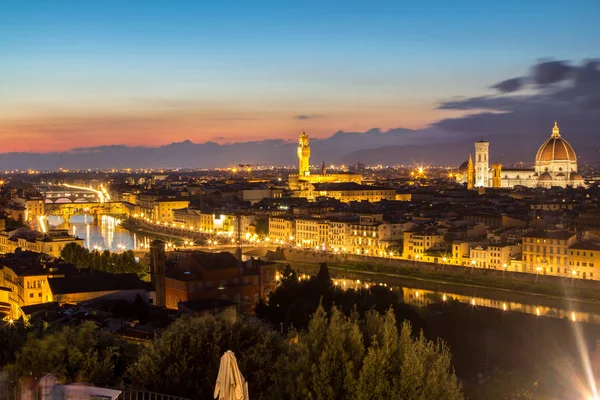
<point x="304" y="177"/>
<point x="555" y="165"/>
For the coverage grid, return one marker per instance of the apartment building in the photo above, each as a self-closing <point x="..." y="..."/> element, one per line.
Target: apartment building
<point x="584" y="258"/>
<point x="547" y="252"/>
<point x="282" y="229"/>
<point x="416" y="244"/>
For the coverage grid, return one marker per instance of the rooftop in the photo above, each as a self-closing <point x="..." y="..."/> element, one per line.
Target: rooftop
<point x="95" y="281"/>
<point x="561" y="235"/>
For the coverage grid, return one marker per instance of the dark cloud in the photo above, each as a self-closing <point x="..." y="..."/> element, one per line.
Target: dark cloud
<point x="509" y="85"/>
<point x="549" y="72"/>
<point x="307" y="116"/>
<point x="569" y="93"/>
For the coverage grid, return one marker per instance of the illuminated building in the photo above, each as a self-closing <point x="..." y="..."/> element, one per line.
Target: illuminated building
<point x="416" y="244"/>
<point x="347" y="192"/>
<point x="584" y="258"/>
<point x="281" y="230"/>
<point x="547" y="252"/>
<point x="555" y="165"/>
<point x="470" y="174"/>
<point x="51" y="242"/>
<point x="34" y="208"/>
<point x="299" y="180"/>
<point x="482" y="164"/>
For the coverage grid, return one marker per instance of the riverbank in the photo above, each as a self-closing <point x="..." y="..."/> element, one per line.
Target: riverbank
<point x="465" y="280"/>
<point x="166" y="236"/>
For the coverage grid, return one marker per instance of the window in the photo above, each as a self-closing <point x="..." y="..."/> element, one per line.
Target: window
<point x="30" y="295"/>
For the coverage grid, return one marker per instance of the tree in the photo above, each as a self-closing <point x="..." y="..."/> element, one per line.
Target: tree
<point x="261" y="226"/>
<point x="12" y="337"/>
<point x="294" y="301"/>
<point x="185" y="359"/>
<point x="325" y="361"/>
<point x="114" y="263"/>
<point x="331" y="361"/>
<point x="76" y="354"/>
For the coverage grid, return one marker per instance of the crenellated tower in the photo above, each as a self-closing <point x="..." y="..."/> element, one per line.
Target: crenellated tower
<point x="303" y="155"/>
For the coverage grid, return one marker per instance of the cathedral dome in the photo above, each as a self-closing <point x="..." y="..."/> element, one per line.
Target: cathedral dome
<point x="463" y="167"/>
<point x="545" y="177"/>
<point x="555" y="149"/>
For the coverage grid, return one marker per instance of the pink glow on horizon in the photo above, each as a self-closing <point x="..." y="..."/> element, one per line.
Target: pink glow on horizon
<point x="65" y="131"/>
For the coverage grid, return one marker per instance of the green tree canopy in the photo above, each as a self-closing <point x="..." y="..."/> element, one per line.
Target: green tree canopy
<point x="76" y="354"/>
<point x="185" y="359"/>
<point x="115" y="263"/>
<point x="331" y="361"/>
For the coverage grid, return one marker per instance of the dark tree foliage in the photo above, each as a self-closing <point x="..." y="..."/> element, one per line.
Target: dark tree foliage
<point x="295" y="300"/>
<point x="261" y="227"/>
<point x="185" y="359"/>
<point x="115" y="263"/>
<point x="76" y="354"/>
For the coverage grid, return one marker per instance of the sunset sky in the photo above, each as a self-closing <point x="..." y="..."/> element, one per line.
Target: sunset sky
<point x="89" y="73"/>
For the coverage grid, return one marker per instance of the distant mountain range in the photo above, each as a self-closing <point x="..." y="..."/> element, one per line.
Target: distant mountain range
<point x="395" y="146"/>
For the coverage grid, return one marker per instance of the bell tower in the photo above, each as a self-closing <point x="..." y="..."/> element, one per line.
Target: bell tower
<point x="482" y="164"/>
<point x="303" y="155"/>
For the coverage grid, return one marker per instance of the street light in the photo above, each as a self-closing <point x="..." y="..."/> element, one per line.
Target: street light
<point x="504" y="266"/>
<point x="537" y="272"/>
<point x="473" y="262"/>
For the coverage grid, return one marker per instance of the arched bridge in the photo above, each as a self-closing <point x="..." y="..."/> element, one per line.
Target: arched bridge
<point x="95" y="209"/>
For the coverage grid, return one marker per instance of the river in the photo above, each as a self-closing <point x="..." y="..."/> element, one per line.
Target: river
<point x="422" y="293"/>
<point x="105" y="235"/>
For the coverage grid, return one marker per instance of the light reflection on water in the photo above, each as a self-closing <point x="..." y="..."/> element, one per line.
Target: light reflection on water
<point x="422" y="297"/>
<point x="107" y="234"/>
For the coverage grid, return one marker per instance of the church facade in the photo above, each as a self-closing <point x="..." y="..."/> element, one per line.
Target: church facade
<point x="555" y="165"/>
<point x="304" y="177"/>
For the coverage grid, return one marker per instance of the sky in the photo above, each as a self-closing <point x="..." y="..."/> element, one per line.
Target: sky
<point x="101" y="72"/>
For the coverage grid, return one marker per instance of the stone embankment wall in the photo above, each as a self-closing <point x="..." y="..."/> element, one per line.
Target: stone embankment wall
<point x="309" y="256"/>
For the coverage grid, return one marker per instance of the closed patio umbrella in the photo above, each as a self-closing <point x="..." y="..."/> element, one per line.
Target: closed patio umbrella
<point x="231" y="385"/>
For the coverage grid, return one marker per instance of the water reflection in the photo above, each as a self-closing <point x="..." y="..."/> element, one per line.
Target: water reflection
<point x="105" y="234"/>
<point x="422" y="297"/>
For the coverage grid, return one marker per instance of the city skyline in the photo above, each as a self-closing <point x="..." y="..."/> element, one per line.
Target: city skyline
<point x="82" y="75"/>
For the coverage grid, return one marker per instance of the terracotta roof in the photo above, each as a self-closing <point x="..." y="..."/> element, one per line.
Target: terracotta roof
<point x="96" y="281"/>
<point x="556" y="149"/>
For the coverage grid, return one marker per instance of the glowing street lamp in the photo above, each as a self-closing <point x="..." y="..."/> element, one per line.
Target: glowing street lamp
<point x="473" y="263"/>
<point x="537" y="272"/>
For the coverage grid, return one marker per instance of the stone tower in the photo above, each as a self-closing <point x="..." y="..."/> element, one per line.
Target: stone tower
<point x="482" y="164"/>
<point x="496" y="175"/>
<point x="303" y="155"/>
<point x="158" y="265"/>
<point x="470" y="173"/>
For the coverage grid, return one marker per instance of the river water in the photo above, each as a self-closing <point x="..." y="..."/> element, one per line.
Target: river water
<point x="106" y="234"/>
<point x="422" y="293"/>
